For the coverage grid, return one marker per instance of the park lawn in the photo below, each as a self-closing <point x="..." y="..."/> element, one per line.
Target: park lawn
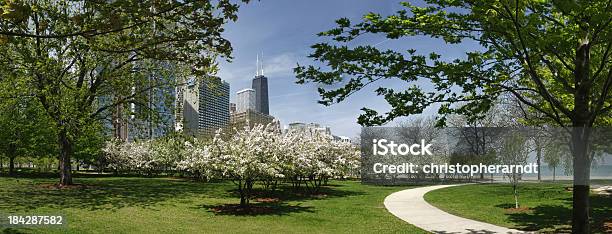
<point x="167" y="205"/>
<point x="549" y="206"/>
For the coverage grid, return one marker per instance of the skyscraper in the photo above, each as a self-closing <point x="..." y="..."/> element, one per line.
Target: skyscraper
<point x="260" y="85"/>
<point x="187" y="105"/>
<point x="213" y="109"/>
<point x="202" y="106"/>
<point x="245" y="100"/>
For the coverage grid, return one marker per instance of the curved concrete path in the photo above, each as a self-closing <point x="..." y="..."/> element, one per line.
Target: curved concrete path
<point x="410" y="206"/>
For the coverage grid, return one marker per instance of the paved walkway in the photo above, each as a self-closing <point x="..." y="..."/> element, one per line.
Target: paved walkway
<point x="410" y="206"/>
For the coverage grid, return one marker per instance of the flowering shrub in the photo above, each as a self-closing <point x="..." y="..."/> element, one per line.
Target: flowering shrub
<point x="258" y="154"/>
<point x="313" y="158"/>
<point x="132" y="156"/>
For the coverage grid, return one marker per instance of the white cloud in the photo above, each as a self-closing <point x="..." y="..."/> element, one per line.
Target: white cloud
<point x="231" y="73"/>
<point x="279" y="65"/>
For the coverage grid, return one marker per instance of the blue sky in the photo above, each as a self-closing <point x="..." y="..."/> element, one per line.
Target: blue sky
<point x="284" y="31"/>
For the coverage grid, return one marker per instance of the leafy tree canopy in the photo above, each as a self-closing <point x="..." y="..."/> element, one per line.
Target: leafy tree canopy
<point x="547" y="54"/>
<point x="84" y="60"/>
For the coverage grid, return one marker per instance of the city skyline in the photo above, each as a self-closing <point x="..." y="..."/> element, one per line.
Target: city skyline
<point x="254" y="103"/>
<point x="283" y="32"/>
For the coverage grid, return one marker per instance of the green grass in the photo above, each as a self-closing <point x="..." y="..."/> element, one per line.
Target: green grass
<point x="165" y="205"/>
<point x="549" y="205"/>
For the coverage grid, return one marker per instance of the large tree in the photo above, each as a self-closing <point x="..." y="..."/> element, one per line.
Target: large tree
<point x="84" y="59"/>
<point x="553" y="56"/>
<point x="26" y="130"/>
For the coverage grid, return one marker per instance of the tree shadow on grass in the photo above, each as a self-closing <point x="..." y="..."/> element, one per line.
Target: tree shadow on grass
<point x="557" y="218"/>
<point x="601" y="209"/>
<point x="266" y="202"/>
<point x="22" y="195"/>
<point x="286" y="193"/>
<point x="26" y="173"/>
<point x="257" y="209"/>
<point x="11" y="231"/>
<point x="102" y="194"/>
<point x="539" y="217"/>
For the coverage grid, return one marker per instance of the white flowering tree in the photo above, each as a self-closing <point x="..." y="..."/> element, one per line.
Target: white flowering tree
<point x="112" y="155"/>
<point x="312" y="158"/>
<point x="250" y="155"/>
<point x="131" y="156"/>
<point x="345" y="159"/>
<point x="197" y="158"/>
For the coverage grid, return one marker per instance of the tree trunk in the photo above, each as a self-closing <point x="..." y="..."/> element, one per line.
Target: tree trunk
<point x="11" y="155"/>
<point x="580" y="199"/>
<point x="11" y="165"/>
<point x="243" y="201"/>
<point x="554" y="173"/>
<point x="245" y="192"/>
<point x="580" y="136"/>
<point x="64" y="159"/>
<point x="249" y="185"/>
<point x="539" y="158"/>
<point x="514" y="188"/>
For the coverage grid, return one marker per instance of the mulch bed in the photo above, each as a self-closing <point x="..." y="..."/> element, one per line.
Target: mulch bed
<point x="314" y="195"/>
<point x="319" y="195"/>
<point x="518" y="210"/>
<point x="267" y="200"/>
<point x="236" y="209"/>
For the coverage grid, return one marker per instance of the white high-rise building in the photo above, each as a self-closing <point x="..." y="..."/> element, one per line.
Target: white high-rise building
<point x="213" y="108"/>
<point x="202" y="106"/>
<point x="245" y="100"/>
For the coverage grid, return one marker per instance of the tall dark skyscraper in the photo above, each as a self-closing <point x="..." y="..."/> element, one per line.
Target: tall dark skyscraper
<point x="260" y="85"/>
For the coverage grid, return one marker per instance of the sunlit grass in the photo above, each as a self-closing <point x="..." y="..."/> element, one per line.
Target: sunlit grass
<point x="545" y="206"/>
<point x="165" y="205"/>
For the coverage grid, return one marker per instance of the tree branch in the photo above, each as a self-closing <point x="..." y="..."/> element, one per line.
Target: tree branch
<point x="531" y="70"/>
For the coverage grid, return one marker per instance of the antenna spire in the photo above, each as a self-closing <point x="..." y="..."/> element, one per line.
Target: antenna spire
<point x="262" y="65"/>
<point x="257" y="66"/>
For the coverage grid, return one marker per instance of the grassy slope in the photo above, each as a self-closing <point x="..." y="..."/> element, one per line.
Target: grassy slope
<point x="550" y="205"/>
<point x="157" y="205"/>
